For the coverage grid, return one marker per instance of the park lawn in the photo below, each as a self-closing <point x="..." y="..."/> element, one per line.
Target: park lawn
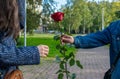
<point x="47" y="40"/>
<point x="41" y="35"/>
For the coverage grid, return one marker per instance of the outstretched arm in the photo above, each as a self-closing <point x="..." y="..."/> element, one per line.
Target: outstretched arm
<point x="92" y="40"/>
<point x="11" y="55"/>
<point x="97" y="39"/>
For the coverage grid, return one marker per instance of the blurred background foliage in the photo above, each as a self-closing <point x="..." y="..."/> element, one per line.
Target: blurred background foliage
<point x="81" y="16"/>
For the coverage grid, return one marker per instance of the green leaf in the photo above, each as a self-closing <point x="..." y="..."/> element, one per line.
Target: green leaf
<point x="61" y="51"/>
<point x="58" y="46"/>
<point x="62" y="29"/>
<point x="78" y="64"/>
<point x="62" y="65"/>
<point x="64" y="48"/>
<point x="57" y="37"/>
<point x="66" y="58"/>
<point x="59" y="71"/>
<point x="70" y="45"/>
<point x="71" y="55"/>
<point x="73" y="76"/>
<point x="58" y="60"/>
<point x="60" y="76"/>
<point x="72" y="62"/>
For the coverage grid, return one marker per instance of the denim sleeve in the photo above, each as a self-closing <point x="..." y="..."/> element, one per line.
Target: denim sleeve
<point x="19" y="56"/>
<point x="92" y="40"/>
<point x="22" y="14"/>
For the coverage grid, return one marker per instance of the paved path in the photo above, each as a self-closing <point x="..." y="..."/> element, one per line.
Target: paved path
<point x="95" y="62"/>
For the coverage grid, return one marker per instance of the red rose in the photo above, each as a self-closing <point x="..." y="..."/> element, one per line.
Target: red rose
<point x="58" y="16"/>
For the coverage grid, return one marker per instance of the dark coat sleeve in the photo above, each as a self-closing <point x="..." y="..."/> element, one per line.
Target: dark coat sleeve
<point x="97" y="39"/>
<point x="11" y="55"/>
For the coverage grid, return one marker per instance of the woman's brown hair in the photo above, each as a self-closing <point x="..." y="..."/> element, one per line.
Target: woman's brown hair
<point x="9" y="20"/>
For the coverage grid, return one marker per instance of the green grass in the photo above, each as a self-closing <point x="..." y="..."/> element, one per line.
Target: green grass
<point x="41" y="35"/>
<point x="46" y="40"/>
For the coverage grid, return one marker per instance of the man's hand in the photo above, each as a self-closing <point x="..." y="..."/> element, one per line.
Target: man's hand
<point x="43" y="50"/>
<point x="67" y="39"/>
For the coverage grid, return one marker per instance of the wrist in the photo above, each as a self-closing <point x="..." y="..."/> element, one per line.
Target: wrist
<point x="72" y="40"/>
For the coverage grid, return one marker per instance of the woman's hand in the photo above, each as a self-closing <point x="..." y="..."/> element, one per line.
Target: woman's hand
<point x="43" y="50"/>
<point x="67" y="39"/>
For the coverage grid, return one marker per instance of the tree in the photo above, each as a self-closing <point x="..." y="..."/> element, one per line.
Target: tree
<point x="95" y="15"/>
<point x="117" y="13"/>
<point x="38" y="12"/>
<point x="82" y="16"/>
<point x="86" y="17"/>
<point x="77" y="15"/>
<point x="33" y="14"/>
<point x="48" y="7"/>
<point x="115" y="10"/>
